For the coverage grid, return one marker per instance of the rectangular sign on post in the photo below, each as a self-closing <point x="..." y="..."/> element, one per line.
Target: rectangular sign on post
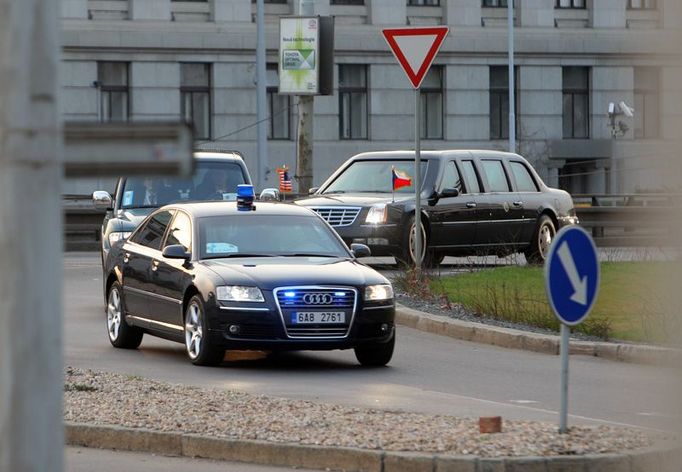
<point x="299" y="50"/>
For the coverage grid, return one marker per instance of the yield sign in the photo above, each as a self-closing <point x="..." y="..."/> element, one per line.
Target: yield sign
<point x="415" y="48"/>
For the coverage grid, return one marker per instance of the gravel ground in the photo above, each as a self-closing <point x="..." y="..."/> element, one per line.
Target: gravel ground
<point x="130" y="401"/>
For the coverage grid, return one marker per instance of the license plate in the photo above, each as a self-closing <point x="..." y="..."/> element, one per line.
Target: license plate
<point x="318" y="317"/>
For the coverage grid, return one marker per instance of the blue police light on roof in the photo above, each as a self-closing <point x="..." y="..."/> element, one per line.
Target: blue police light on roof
<point x="245" y="196"/>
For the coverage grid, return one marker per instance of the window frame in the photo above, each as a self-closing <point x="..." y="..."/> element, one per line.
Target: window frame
<point x="143" y="226"/>
<point x="528" y="171"/>
<point x="191" y="230"/>
<point x="411" y="3"/>
<point x="572" y="6"/>
<point x="196" y="89"/>
<point x="573" y="92"/>
<point x="476" y="175"/>
<point x="643" y="8"/>
<point x="423" y="95"/>
<point x="503" y="92"/>
<point x="499" y="4"/>
<point x="648" y="94"/>
<point x="271" y="91"/>
<point x="462" y="186"/>
<point x="349" y="91"/>
<point x="488" y="186"/>
<point x="109" y="89"/>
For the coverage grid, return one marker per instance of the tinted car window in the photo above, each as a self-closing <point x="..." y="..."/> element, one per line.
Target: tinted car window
<point x="281" y="235"/>
<point x="497" y="179"/>
<point x="451" y="177"/>
<point x="180" y="232"/>
<point x="374" y="177"/>
<point x="211" y="181"/>
<point x="151" y="234"/>
<point x="524" y="181"/>
<point x="470" y="177"/>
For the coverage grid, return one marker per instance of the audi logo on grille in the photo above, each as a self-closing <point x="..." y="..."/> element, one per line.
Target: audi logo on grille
<point x="318" y="299"/>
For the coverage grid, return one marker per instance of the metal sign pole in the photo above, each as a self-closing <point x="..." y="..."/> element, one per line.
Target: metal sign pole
<point x="563" y="414"/>
<point x="417" y="185"/>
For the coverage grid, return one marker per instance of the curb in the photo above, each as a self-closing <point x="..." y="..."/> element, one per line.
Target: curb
<point x="354" y="459"/>
<point x="543" y="343"/>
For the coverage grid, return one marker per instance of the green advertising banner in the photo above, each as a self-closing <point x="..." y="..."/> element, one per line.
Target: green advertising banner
<point x="298" y="55"/>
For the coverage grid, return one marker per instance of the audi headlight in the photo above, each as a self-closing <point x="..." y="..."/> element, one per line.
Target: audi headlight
<point x="377" y="214"/>
<point x="238" y="293"/>
<point x="118" y="236"/>
<point x="375" y="293"/>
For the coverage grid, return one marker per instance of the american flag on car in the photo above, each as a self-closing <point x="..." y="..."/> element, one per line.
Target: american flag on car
<point x="285" y="185"/>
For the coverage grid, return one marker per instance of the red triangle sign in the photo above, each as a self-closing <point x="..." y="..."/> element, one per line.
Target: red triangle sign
<point x="415" y="48"/>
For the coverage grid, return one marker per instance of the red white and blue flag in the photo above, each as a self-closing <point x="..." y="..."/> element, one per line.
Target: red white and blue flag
<point x="284" y="180"/>
<point x="400" y="179"/>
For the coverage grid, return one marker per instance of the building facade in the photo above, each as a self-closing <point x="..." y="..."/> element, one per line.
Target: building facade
<point x="137" y="60"/>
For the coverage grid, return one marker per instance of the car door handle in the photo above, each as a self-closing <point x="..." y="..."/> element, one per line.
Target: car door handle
<point x="155" y="265"/>
<point x="518" y="204"/>
<point x="471" y="204"/>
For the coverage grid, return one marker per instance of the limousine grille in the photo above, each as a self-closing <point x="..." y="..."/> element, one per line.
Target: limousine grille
<point x="338" y="216"/>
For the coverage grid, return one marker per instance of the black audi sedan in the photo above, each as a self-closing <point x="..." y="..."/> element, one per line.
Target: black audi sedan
<point x="473" y="203"/>
<point x="234" y="275"/>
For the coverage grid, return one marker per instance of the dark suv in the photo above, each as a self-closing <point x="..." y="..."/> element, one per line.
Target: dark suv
<point x="215" y="178"/>
<point x="473" y="203"/>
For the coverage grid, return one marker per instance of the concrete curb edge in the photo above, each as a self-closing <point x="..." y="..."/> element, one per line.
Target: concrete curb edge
<point x="353" y="459"/>
<point x="535" y="342"/>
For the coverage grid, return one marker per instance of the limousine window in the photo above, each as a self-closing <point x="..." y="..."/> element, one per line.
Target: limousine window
<point x="451" y="178"/>
<point x="374" y="177"/>
<point x="470" y="177"/>
<point x="181" y="232"/>
<point x="497" y="179"/>
<point x="524" y="181"/>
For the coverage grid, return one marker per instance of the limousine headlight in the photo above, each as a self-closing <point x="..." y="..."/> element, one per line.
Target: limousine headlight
<point x="239" y="293"/>
<point x="118" y="236"/>
<point x="377" y="214"/>
<point x="375" y="293"/>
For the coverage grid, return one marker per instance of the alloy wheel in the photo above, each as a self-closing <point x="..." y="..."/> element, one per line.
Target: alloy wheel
<point x="193" y="330"/>
<point x="545" y="237"/>
<point x="412" y="242"/>
<point x="114" y="314"/>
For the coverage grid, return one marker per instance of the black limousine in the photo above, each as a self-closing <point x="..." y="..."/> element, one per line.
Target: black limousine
<point x="272" y="277"/>
<point x="473" y="203"/>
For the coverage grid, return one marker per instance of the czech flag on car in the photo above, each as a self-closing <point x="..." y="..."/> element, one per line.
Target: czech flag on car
<point x="400" y="179"/>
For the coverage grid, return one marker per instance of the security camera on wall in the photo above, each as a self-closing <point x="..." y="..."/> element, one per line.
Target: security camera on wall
<point x="612" y="108"/>
<point x="627" y="110"/>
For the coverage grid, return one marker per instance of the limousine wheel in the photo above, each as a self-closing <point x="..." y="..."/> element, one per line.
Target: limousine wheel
<point x="199" y="348"/>
<point x="542" y="239"/>
<point x="120" y="333"/>
<point x="429" y="259"/>
<point x="375" y="355"/>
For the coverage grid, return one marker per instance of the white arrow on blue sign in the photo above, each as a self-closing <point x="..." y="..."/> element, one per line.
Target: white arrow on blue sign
<point x="572" y="275"/>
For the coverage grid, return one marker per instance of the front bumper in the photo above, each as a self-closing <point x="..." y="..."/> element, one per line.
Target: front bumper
<point x="264" y="330"/>
<point x="382" y="239"/>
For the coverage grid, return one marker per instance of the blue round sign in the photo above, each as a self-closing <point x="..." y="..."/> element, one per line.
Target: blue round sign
<point x="572" y="275"/>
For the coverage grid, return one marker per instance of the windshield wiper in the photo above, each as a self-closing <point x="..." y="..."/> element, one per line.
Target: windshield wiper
<point x="307" y="254"/>
<point x="237" y="254"/>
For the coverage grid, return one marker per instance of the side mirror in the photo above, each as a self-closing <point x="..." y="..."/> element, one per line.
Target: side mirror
<point x="176" y="251"/>
<point x="449" y="193"/>
<point x="102" y="200"/>
<point x="360" y="250"/>
<point x="312" y="190"/>
<point x="269" y="194"/>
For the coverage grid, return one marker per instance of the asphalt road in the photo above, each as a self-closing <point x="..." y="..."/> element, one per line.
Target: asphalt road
<point x="428" y="373"/>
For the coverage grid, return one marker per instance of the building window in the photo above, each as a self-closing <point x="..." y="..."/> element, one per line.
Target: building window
<point x="431" y="104"/>
<point x="195" y="97"/>
<point x="499" y="101"/>
<point x="347" y="2"/>
<point x="641" y="4"/>
<point x="421" y="3"/>
<point x="646" y="102"/>
<point x="279" y="107"/>
<point x="580" y="4"/>
<point x="113" y="87"/>
<point x="353" y="101"/>
<point x="576" y="108"/>
<point x="495" y="3"/>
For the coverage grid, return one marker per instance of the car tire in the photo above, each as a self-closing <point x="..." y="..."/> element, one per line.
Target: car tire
<point x="407" y="258"/>
<point x="198" y="346"/>
<point x="121" y="334"/>
<point x="542" y="239"/>
<point x="376" y="354"/>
